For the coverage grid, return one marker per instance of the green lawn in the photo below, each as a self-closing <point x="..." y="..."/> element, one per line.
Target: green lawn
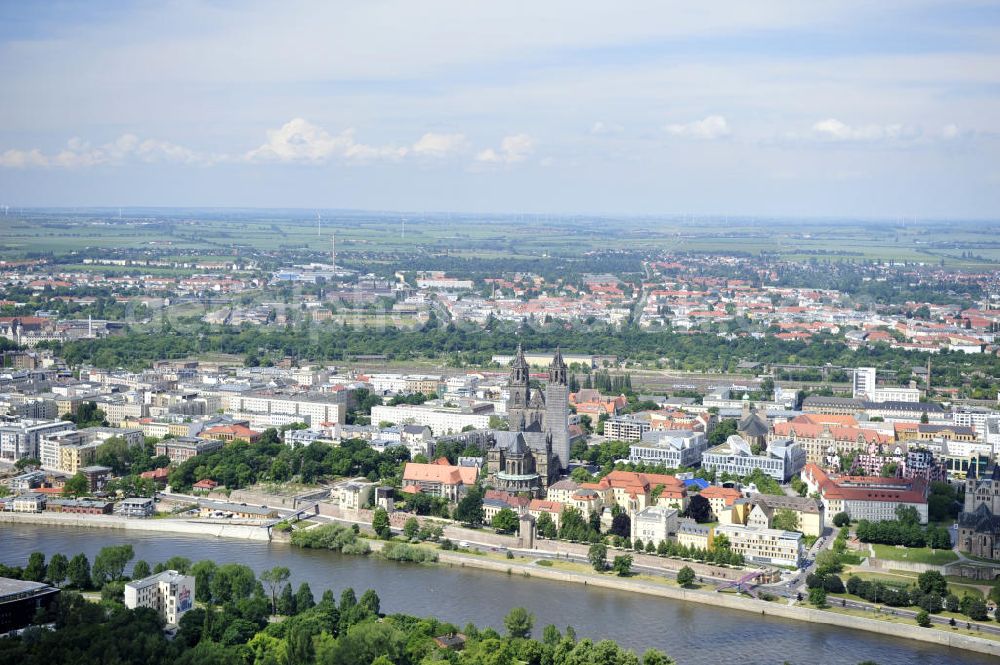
<point x="917" y="554"/>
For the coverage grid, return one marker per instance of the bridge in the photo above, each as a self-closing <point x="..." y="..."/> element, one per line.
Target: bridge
<point x="303" y="513"/>
<point x="744" y="584"/>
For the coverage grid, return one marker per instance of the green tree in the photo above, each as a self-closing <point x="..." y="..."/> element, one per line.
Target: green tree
<point x="907" y="514"/>
<point x="699" y="509"/>
<point x="411" y="528"/>
<point x="546" y="526"/>
<point x="817" y="597"/>
<point x="370" y="601"/>
<point x="286" y="601"/>
<point x="469" y="510"/>
<point x="931" y="581"/>
<point x="622" y="565"/>
<point x="140" y="570"/>
<point x="654" y="657"/>
<point x="77" y="485"/>
<point x="58" y="569"/>
<point x="35" y="570"/>
<point x="519" y="623"/>
<point x="78" y="572"/>
<point x="274" y="578"/>
<point x="110" y="562"/>
<point x="685" y="576"/>
<point x="923" y="619"/>
<point x="786" y="520"/>
<point x="841" y="519"/>
<point x="505" y="521"/>
<point x="380" y="523"/>
<point x="304" y="598"/>
<point x="598" y="556"/>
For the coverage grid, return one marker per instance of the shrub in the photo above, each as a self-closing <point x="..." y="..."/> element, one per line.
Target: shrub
<point x="408" y="553"/>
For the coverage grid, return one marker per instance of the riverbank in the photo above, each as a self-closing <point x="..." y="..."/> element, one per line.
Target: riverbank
<point x="728" y="601"/>
<point x="527" y="569"/>
<point x="174" y="526"/>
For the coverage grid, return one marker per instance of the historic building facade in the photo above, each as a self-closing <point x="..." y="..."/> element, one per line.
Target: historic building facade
<point x="979" y="522"/>
<point x="535" y="449"/>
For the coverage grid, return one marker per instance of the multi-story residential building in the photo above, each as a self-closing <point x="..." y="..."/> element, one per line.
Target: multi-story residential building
<point x="69" y="451"/>
<point x="137" y="507"/>
<point x="629" y="427"/>
<point x="781" y="460"/>
<point x="170" y="593"/>
<point x="761" y="545"/>
<point x="960" y="457"/>
<point x="863" y="384"/>
<point x="354" y="494"/>
<point x="721" y="498"/>
<point x="671" y="448"/>
<point x="692" y="534"/>
<point x="809" y="511"/>
<point x="20" y="439"/>
<point x="895" y="394"/>
<point x="185" y="447"/>
<point x="440" y="417"/>
<point x="654" y="523"/>
<point x="28" y="503"/>
<point x="312" y="408"/>
<point x="871" y="498"/>
<point x="824" y="443"/>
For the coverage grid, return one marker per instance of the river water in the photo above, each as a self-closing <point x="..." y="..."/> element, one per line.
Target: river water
<point x="693" y="634"/>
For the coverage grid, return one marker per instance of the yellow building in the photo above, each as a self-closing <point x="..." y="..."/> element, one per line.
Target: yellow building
<point x="692" y="534"/>
<point x="72" y="457"/>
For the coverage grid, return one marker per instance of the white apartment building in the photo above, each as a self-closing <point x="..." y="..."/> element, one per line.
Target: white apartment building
<point x="864" y="383"/>
<point x="169" y="593"/>
<point x="888" y="394"/>
<point x="441" y="419"/>
<point x="671" y="448"/>
<point x="20" y="439"/>
<point x="654" y="523"/>
<point x="311" y="408"/>
<point x="768" y="546"/>
<point x="626" y="428"/>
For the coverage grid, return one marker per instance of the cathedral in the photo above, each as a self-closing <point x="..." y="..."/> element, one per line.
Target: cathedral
<point x="535" y="449"/>
<point x="979" y="522"/>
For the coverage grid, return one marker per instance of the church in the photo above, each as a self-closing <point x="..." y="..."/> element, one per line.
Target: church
<point x="979" y="521"/>
<point x="532" y="454"/>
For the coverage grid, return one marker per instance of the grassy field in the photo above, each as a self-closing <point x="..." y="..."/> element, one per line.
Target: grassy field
<point x="917" y="554"/>
<point x="185" y="234"/>
<point x="906" y="578"/>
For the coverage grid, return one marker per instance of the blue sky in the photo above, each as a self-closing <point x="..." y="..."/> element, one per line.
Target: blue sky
<point x="800" y="109"/>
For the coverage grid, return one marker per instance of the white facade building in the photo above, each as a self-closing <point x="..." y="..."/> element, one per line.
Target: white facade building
<point x="671" y="448"/>
<point x="169" y="593"/>
<point x="864" y="383"/>
<point x="21" y="439"/>
<point x="781" y="460"/>
<point x="441" y="419"/>
<point x="654" y="523"/>
<point x="768" y="546"/>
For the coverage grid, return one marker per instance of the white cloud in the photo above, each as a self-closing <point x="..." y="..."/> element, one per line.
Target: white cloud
<point x="709" y="128"/>
<point x="299" y="140"/>
<point x="832" y="129"/>
<point x="440" y="145"/>
<point x="79" y="153"/>
<point x="949" y="131"/>
<point x="600" y="127"/>
<point x="513" y="149"/>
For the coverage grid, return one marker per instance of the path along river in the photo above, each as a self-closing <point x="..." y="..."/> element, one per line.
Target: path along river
<point x="693" y="634"/>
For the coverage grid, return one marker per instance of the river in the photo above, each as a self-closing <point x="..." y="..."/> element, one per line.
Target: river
<point x="693" y="634"/>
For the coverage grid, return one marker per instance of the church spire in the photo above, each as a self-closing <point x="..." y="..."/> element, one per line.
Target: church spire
<point x="557" y="369"/>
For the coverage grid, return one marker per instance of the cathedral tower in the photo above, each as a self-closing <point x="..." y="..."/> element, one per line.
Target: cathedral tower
<point x="557" y="409"/>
